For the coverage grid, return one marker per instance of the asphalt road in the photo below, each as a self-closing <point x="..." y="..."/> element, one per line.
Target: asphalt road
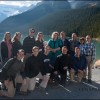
<point x="74" y="90"/>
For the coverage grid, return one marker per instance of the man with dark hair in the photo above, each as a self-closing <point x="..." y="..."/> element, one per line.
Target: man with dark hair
<point x="29" y="42"/>
<point x="65" y="41"/>
<point x="74" y="43"/>
<point x="63" y="64"/>
<point x="9" y="72"/>
<point x="34" y="69"/>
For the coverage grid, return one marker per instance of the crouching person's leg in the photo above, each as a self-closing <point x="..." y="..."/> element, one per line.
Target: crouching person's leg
<point x="72" y="73"/>
<point x="28" y="85"/>
<point x="45" y="80"/>
<point x="18" y="82"/>
<point x="10" y="89"/>
<point x="80" y="75"/>
<point x="24" y="87"/>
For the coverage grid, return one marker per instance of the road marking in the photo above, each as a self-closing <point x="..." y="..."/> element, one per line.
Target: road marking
<point x="64" y="88"/>
<point x="90" y="85"/>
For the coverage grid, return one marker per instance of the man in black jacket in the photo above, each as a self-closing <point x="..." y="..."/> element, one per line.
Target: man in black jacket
<point x="34" y="69"/>
<point x="62" y="64"/>
<point x="29" y="42"/>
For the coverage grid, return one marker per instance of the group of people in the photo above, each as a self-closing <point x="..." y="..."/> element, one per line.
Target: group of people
<point x="24" y="62"/>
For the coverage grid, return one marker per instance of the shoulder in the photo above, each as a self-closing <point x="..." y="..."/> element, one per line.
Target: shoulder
<point x="59" y="56"/>
<point x="27" y="37"/>
<point x="92" y="43"/>
<point x="3" y="42"/>
<point x="50" y="40"/>
<point x="70" y="40"/>
<point x="11" y="60"/>
<point x="59" y="40"/>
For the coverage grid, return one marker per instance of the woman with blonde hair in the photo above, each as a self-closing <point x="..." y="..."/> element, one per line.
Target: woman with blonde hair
<point x="40" y="42"/>
<point x="16" y="44"/>
<point x="6" y="47"/>
<point x="55" y="46"/>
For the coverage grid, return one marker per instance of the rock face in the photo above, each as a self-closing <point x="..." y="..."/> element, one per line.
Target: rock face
<point x="97" y="64"/>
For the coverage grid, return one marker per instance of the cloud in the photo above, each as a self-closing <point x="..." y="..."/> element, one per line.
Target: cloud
<point x="19" y="3"/>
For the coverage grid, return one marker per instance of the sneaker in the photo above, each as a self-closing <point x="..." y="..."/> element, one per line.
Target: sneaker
<point x="23" y="93"/>
<point x="42" y="89"/>
<point x="89" y="81"/>
<point x="84" y="79"/>
<point x="1" y="94"/>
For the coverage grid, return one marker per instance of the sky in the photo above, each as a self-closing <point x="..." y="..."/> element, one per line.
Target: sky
<point x="19" y="3"/>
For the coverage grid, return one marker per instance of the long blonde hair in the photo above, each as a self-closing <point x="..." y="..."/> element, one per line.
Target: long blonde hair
<point x="15" y="37"/>
<point x="37" y="38"/>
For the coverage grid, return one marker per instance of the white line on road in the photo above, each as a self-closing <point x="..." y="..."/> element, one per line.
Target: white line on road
<point x="64" y="88"/>
<point x="90" y="85"/>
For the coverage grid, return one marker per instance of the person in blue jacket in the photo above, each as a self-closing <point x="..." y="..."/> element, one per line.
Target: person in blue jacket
<point x="79" y="65"/>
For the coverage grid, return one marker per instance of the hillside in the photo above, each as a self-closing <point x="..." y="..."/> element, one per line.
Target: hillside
<point x="49" y="16"/>
<point x="22" y="21"/>
<point x="82" y="21"/>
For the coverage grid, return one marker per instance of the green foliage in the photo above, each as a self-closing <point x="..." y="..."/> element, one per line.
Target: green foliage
<point x="82" y="21"/>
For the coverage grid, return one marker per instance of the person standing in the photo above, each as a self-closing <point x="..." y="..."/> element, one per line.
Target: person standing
<point x="74" y="43"/>
<point x="81" y="45"/>
<point x="55" y="46"/>
<point x="40" y="42"/>
<point x="16" y="43"/>
<point x="29" y="42"/>
<point x="90" y="53"/>
<point x="6" y="47"/>
<point x="65" y="41"/>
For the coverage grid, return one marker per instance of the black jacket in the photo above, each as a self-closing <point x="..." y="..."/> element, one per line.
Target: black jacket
<point x="40" y="45"/>
<point x="4" y="51"/>
<point x="28" y="44"/>
<point x="33" y="66"/>
<point x="15" y="47"/>
<point x="62" y="61"/>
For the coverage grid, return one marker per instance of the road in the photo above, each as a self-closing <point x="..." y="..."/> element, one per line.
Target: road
<point x="74" y="90"/>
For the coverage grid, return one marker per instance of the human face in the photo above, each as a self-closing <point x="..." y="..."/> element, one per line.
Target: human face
<point x="74" y="36"/>
<point x="77" y="51"/>
<point x="40" y="36"/>
<point x="20" y="55"/>
<point x="47" y="49"/>
<point x="35" y="51"/>
<point x="8" y="36"/>
<point x="82" y="41"/>
<point x="88" y="39"/>
<point x="62" y="35"/>
<point x="55" y="36"/>
<point x="18" y="36"/>
<point x="64" y="50"/>
<point x="31" y="33"/>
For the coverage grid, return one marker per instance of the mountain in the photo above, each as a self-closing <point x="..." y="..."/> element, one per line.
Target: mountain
<point x="76" y="4"/>
<point x="2" y="16"/>
<point x="21" y="21"/>
<point x="10" y="10"/>
<point x="49" y="16"/>
<point x="82" y="21"/>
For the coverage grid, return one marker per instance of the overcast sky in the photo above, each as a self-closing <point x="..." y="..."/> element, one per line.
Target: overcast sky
<point x="19" y="3"/>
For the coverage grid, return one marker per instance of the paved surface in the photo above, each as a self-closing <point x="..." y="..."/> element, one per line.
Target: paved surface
<point x="70" y="91"/>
